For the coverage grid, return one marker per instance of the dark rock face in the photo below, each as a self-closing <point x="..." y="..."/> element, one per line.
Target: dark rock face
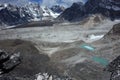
<point x="12" y="15"/>
<point x="74" y="13"/>
<point x="3" y="56"/>
<point x="115" y="30"/>
<point x="114" y="68"/>
<point x="115" y="64"/>
<point x="114" y="33"/>
<point x="8" y="62"/>
<point x="108" y="8"/>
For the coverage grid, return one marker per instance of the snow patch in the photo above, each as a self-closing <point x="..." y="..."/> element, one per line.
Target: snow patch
<point x="95" y="37"/>
<point x="92" y="38"/>
<point x="49" y="12"/>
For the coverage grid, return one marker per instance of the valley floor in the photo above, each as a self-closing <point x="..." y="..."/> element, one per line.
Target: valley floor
<point x="76" y="50"/>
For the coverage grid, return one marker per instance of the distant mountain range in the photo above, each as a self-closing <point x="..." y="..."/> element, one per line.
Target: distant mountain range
<point x="78" y="11"/>
<point x="13" y="15"/>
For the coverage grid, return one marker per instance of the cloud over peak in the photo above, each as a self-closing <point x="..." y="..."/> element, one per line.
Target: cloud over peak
<point x="66" y="3"/>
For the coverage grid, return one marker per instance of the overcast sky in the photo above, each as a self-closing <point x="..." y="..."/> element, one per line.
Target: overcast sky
<point x="43" y="2"/>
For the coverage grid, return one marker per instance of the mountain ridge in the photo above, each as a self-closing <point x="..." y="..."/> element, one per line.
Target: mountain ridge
<point x="13" y="15"/>
<point x="77" y="12"/>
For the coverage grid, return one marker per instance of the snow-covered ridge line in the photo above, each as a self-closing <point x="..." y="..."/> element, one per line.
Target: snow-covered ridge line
<point x="15" y="15"/>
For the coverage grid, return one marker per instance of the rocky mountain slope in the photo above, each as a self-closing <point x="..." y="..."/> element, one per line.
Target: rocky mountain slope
<point x="75" y="12"/>
<point x="93" y="20"/>
<point x="108" y="8"/>
<point x="13" y="15"/>
<point x="112" y="47"/>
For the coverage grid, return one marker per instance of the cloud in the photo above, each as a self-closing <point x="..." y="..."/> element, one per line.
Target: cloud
<point x="49" y="2"/>
<point x="15" y="2"/>
<point x="66" y="3"/>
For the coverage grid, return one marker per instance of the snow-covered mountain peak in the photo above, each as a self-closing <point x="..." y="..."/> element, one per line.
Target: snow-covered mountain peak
<point x="34" y="10"/>
<point x="12" y="15"/>
<point x="49" y="12"/>
<point x="2" y="6"/>
<point x="5" y="5"/>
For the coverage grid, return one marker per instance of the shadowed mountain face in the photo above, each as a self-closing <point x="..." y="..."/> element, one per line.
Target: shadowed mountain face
<point x="114" y="33"/>
<point x="115" y="30"/>
<point x="10" y="15"/>
<point x="108" y="8"/>
<point x="74" y="13"/>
